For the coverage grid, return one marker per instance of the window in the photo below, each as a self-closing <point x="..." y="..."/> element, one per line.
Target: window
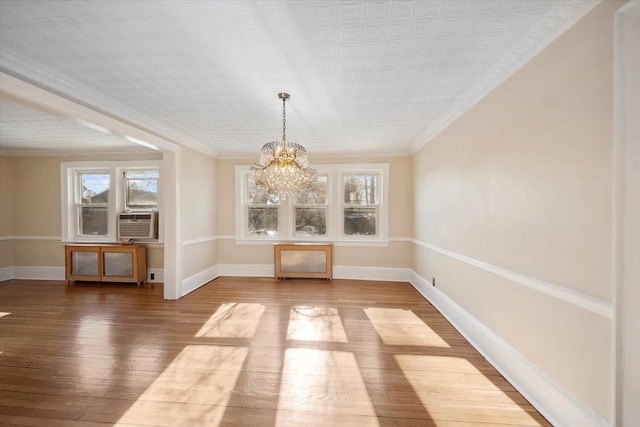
<point x="360" y="211"/>
<point x="311" y="209"/>
<point x="92" y="203"/>
<point x="141" y="190"/>
<point x="347" y="203"/>
<point x="262" y="211"/>
<point x="95" y="192"/>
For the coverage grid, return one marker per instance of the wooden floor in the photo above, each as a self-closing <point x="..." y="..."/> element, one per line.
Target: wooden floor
<point x="242" y="352"/>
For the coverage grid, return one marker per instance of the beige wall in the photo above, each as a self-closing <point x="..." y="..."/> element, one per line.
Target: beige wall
<point x="6" y="211"/>
<point x="199" y="185"/>
<point x="523" y="181"/>
<point x="35" y="204"/>
<point x="397" y="254"/>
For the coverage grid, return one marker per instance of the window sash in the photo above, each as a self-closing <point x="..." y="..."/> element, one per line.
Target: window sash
<point x="333" y="212"/>
<point x="268" y="228"/>
<point x="100" y="221"/>
<point x="319" y="229"/>
<point x="360" y="224"/>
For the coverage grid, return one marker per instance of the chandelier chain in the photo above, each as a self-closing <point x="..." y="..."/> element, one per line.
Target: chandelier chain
<point x="284" y="121"/>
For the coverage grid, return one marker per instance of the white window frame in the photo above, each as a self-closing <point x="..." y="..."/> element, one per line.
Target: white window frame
<point x="326" y="206"/>
<point x="115" y="169"/>
<point x="125" y="198"/>
<point x="335" y="208"/>
<point x="344" y="205"/>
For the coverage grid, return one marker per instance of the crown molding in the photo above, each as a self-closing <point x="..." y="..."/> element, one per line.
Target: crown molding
<point x="21" y="68"/>
<point x="533" y="43"/>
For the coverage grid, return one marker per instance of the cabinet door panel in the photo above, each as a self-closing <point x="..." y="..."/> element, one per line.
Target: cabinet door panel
<point x="118" y="264"/>
<point x="84" y="263"/>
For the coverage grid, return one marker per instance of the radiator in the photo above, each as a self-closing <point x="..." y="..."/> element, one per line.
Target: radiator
<point x="303" y="260"/>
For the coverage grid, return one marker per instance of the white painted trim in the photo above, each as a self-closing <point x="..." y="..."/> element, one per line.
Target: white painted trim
<point x="172" y="202"/>
<point x="58" y="273"/>
<point x="334" y="207"/>
<point x="354" y="243"/>
<point x="626" y="216"/>
<point x="206" y="239"/>
<point x="158" y="274"/>
<point x="38" y="273"/>
<point x="259" y="242"/>
<point x="200" y="240"/>
<point x="50" y="102"/>
<point x="556" y="404"/>
<point x="6" y="273"/>
<point x="401" y="239"/>
<point x="246" y="270"/>
<point x="385" y="274"/>
<point x="192" y="283"/>
<point x="54" y="238"/>
<point x="506" y="67"/>
<point x="579" y="299"/>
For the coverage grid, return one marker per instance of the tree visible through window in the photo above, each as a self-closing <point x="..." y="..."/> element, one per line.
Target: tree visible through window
<point x="93" y="209"/>
<point x="311" y="209"/>
<point x="141" y="190"/>
<point x="262" y="211"/>
<point x="346" y="203"/>
<point x="360" y="205"/>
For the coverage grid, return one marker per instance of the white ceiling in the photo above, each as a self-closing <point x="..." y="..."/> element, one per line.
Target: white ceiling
<point x="375" y="77"/>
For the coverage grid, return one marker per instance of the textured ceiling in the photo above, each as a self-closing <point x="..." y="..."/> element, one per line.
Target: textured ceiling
<point x="30" y="130"/>
<point x="364" y="77"/>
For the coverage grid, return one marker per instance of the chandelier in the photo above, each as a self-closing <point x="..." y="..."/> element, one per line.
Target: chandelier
<point x="283" y="168"/>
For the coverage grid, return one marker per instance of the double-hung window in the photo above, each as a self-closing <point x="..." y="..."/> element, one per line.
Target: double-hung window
<point x="92" y="203"/>
<point x="262" y="217"/>
<point x="311" y="209"/>
<point x="95" y="192"/>
<point x="360" y="209"/>
<point x="347" y="204"/>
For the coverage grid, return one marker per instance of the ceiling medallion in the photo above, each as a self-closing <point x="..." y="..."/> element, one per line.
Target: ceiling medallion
<point x="283" y="169"/>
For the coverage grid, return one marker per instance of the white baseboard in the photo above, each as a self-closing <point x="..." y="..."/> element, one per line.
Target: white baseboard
<point x="158" y="275"/>
<point x="38" y="273"/>
<point x="385" y="274"/>
<point x="6" y="273"/>
<point x="58" y="273"/>
<point x="192" y="283"/>
<point x="339" y="272"/>
<point x="246" y="270"/>
<point x="553" y="402"/>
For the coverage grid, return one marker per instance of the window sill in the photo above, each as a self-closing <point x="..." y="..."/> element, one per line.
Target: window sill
<point x="337" y="242"/>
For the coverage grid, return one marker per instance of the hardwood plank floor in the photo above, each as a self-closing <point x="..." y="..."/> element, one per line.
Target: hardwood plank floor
<point x="242" y="352"/>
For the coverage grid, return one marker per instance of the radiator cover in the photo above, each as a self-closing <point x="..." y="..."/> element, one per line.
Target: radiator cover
<point x="303" y="260"/>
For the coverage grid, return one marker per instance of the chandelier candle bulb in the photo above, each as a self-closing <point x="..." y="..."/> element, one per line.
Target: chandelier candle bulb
<point x="283" y="169"/>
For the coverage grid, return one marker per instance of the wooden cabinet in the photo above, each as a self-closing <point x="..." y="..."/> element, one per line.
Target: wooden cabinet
<point x="106" y="263"/>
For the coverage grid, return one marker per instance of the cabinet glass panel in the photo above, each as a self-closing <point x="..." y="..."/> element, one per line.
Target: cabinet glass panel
<point x="118" y="264"/>
<point x="84" y="263"/>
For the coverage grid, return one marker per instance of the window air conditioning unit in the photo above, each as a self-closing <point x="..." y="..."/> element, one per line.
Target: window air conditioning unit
<point x="138" y="225"/>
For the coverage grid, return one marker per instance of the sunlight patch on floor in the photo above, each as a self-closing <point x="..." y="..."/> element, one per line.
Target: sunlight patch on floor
<point x="4" y="313"/>
<point x="321" y="388"/>
<point x="396" y="326"/>
<point x="193" y="390"/>
<point x="315" y="324"/>
<point x="452" y="388"/>
<point x="95" y="331"/>
<point x="233" y="320"/>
